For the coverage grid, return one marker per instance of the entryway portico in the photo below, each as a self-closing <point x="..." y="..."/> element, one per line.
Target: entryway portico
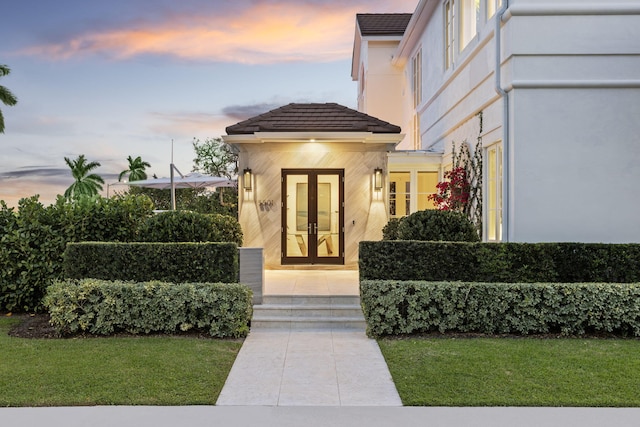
<point x="308" y="193"/>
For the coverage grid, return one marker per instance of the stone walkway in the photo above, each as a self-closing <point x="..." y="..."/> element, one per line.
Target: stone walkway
<point x="309" y="367"/>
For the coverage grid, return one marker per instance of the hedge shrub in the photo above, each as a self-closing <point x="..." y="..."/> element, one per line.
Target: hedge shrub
<point x="500" y="262"/>
<point x="33" y="239"/>
<point x="437" y="225"/>
<point x="185" y="226"/>
<point x="169" y="262"/>
<point x="103" y="307"/>
<point x="408" y="307"/>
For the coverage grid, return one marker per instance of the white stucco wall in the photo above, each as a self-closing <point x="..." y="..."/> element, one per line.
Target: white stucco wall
<point x="570" y="68"/>
<point x="575" y="95"/>
<point x="383" y="82"/>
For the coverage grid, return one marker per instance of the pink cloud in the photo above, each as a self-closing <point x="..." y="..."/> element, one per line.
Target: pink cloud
<point x="264" y="33"/>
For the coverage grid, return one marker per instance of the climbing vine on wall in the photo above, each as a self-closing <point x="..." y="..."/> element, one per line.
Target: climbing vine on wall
<point x="462" y="188"/>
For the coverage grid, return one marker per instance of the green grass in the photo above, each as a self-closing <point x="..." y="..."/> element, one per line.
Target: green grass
<point x="515" y="372"/>
<point x="112" y="371"/>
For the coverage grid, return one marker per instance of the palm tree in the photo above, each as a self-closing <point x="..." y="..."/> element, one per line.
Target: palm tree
<point x="6" y="96"/>
<point x="86" y="184"/>
<point x="136" y="169"/>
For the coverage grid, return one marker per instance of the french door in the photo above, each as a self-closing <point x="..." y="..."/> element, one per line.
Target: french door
<point x="313" y="216"/>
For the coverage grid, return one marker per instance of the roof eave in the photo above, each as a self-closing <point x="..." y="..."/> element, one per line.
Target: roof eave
<point x="412" y="34"/>
<point x="354" y="137"/>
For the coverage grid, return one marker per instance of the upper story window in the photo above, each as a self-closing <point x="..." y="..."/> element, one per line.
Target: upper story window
<point x="450" y="32"/>
<point x="469" y="13"/>
<point x="492" y="7"/>
<point x="416" y="78"/>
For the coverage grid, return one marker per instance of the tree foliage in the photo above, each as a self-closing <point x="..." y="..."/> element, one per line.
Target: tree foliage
<point x="215" y="157"/>
<point x="136" y="169"/>
<point x="6" y="96"/>
<point x="86" y="183"/>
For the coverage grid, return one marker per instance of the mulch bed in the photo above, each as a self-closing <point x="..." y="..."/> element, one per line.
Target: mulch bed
<point x="33" y="326"/>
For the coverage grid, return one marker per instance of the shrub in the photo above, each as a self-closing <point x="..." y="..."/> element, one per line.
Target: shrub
<point x="169" y="262"/>
<point x="185" y="226"/>
<point x="500" y="262"/>
<point x="437" y="225"/>
<point x="390" y="230"/>
<point x="103" y="307"/>
<point x="33" y="240"/>
<point x="407" y="307"/>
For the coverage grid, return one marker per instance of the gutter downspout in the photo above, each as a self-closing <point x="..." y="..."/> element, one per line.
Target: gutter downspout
<point x="506" y="182"/>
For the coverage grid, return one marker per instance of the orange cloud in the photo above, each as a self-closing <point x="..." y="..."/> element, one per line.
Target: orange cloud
<point x="264" y="33"/>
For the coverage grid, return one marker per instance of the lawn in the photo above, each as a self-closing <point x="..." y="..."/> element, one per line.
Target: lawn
<point x="112" y="371"/>
<point x="515" y="371"/>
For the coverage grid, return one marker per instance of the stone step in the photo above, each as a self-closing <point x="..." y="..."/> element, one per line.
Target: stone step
<point x="311" y="299"/>
<point x="304" y="311"/>
<point x="309" y="312"/>
<point x="308" y="323"/>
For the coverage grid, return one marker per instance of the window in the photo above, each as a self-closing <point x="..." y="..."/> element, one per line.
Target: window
<point x="427" y="182"/>
<point x="469" y="13"/>
<point x="492" y="7"/>
<point x="399" y="194"/>
<point x="450" y="32"/>
<point x="416" y="78"/>
<point x="415" y="132"/>
<point x="494" y="193"/>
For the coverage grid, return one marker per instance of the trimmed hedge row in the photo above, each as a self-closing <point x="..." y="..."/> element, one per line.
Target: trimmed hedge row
<point x="500" y="262"/>
<point x="102" y="307"/>
<point x="185" y="226"/>
<point x="139" y="262"/>
<point x="408" y="307"/>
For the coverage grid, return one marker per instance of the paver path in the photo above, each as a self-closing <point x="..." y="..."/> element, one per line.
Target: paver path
<point x="288" y="367"/>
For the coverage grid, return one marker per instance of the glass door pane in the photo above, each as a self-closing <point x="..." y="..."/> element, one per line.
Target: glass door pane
<point x="297" y="215"/>
<point x="327" y="226"/>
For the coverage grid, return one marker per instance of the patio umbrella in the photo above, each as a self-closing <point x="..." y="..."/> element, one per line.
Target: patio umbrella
<point x="190" y="180"/>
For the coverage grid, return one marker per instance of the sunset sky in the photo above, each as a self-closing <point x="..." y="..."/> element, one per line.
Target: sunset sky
<point x="126" y="77"/>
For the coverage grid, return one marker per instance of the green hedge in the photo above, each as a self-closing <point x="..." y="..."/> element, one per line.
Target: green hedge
<point x="409" y="307"/>
<point x="185" y="226"/>
<point x="500" y="262"/>
<point x="139" y="262"/>
<point x="103" y="307"/>
<point x="33" y="238"/>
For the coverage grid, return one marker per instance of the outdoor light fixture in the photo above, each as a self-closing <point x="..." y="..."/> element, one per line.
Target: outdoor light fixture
<point x="246" y="180"/>
<point x="377" y="179"/>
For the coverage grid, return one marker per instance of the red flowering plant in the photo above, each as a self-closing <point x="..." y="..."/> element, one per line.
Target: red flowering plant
<point x="453" y="195"/>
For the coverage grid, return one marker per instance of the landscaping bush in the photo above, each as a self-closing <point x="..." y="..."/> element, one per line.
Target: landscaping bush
<point x="500" y="262"/>
<point x="185" y="226"/>
<point x="33" y="239"/>
<point x="390" y="230"/>
<point x="437" y="225"/>
<point x="103" y="307"/>
<point x="169" y="262"/>
<point x="407" y="307"/>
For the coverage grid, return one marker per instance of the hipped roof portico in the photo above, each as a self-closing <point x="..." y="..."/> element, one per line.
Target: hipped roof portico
<point x="328" y="122"/>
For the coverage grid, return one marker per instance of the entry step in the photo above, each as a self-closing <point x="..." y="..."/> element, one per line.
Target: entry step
<point x="309" y="312"/>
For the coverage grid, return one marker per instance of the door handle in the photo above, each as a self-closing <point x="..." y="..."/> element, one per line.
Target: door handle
<point x="315" y="228"/>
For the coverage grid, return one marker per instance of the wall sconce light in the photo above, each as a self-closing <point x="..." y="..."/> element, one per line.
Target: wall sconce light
<point x="377" y="179"/>
<point x="246" y="180"/>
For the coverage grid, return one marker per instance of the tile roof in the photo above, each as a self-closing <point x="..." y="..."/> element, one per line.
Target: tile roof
<point x="330" y="117"/>
<point x="383" y="24"/>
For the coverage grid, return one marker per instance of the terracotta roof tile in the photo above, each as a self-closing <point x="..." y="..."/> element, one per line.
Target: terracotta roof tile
<point x="383" y="24"/>
<point x="328" y="117"/>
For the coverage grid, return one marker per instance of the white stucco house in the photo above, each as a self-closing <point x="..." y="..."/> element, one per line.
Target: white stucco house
<point x="557" y="84"/>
